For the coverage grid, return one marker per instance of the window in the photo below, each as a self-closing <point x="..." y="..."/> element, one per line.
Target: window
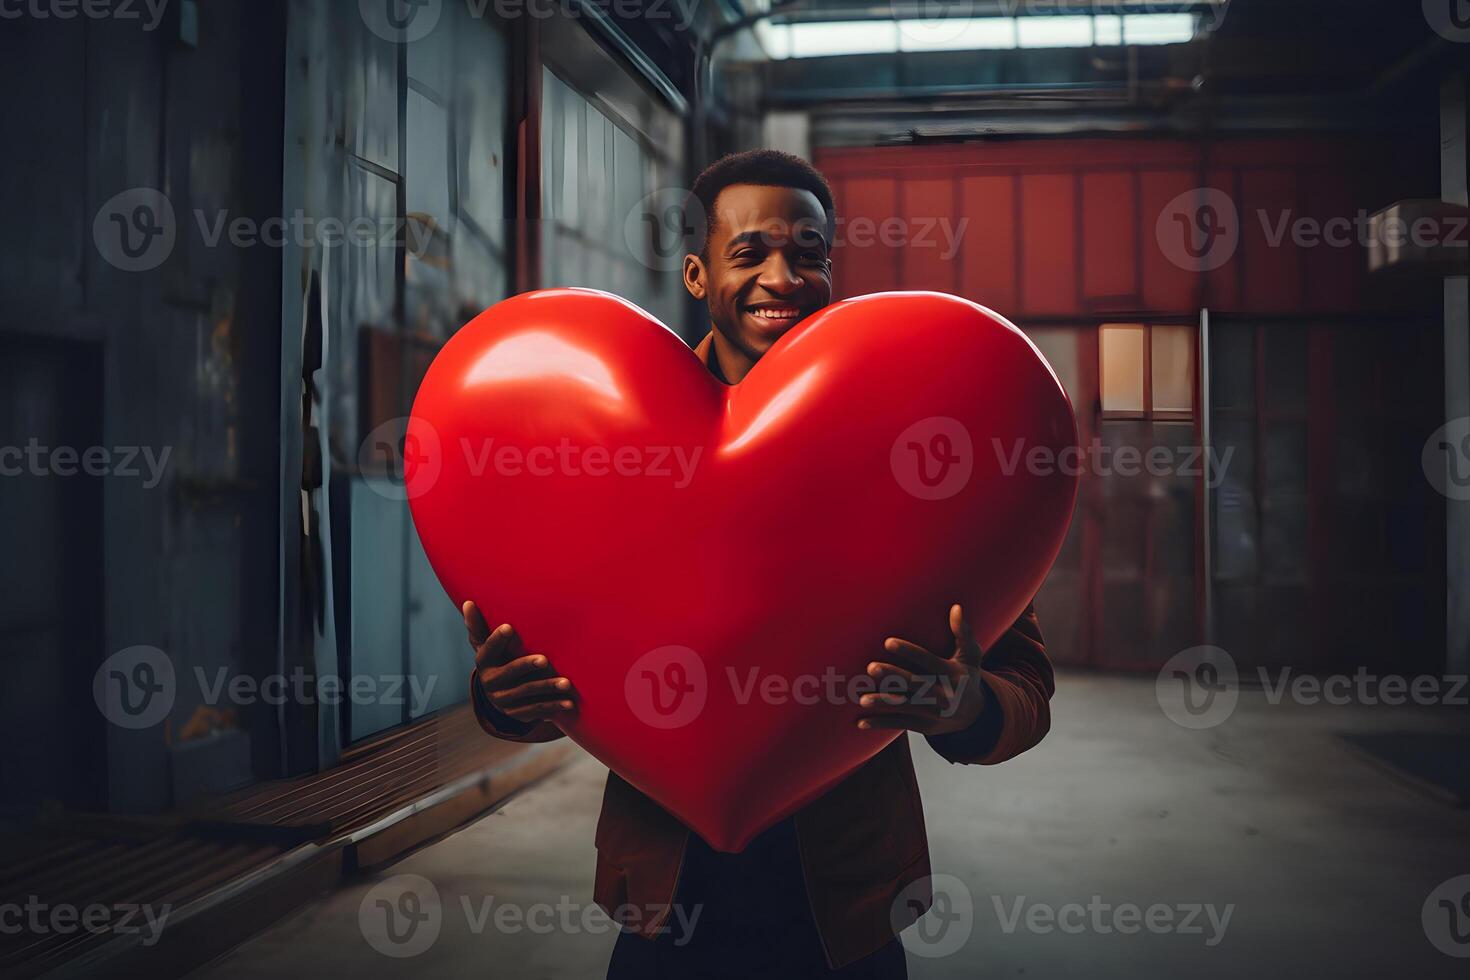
<point x="1146" y="371"/>
<point x="963" y="32"/>
<point x="598" y="170"/>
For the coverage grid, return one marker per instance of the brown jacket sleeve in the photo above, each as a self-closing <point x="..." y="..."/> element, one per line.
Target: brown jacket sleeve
<point x="1018" y="685"/>
<point x="498" y="723"/>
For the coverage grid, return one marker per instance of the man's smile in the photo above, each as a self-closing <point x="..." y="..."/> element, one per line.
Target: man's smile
<point x="775" y="314"/>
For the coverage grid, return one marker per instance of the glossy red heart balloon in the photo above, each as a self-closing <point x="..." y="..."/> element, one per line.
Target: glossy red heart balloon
<point x="714" y="566"/>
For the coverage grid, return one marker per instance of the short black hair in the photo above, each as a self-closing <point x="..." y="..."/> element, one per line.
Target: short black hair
<point x="765" y="168"/>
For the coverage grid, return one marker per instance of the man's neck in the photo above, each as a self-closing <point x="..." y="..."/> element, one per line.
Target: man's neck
<point x="730" y="362"/>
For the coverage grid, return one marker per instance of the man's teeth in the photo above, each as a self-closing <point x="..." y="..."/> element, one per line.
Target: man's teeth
<point x="774" y="314"/>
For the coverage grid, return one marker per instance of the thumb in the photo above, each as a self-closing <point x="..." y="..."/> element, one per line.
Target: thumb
<point x="966" y="650"/>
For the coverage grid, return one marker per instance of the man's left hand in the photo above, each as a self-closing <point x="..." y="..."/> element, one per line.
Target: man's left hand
<point x="922" y="691"/>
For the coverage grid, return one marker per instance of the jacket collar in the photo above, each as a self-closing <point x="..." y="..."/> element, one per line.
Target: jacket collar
<point x="705" y="351"/>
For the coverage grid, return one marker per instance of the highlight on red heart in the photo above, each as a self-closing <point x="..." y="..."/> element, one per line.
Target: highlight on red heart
<point x="714" y="566"/>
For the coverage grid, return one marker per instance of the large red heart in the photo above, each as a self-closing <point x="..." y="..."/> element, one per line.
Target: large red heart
<point x="714" y="566"/>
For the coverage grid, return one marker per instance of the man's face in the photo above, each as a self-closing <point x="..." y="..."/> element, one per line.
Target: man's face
<point x="766" y="267"/>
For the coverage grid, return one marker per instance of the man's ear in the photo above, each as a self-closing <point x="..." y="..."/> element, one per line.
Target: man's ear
<point x="695" y="276"/>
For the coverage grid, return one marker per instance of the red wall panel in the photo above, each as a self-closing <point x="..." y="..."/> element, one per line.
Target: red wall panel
<point x="1048" y="243"/>
<point x="1167" y="285"/>
<point x="1273" y="275"/>
<point x="988" y="257"/>
<point x="1330" y="277"/>
<point x="866" y="264"/>
<point x="930" y="259"/>
<point x="1068" y="228"/>
<point x="1222" y="285"/>
<point x="1110" y="239"/>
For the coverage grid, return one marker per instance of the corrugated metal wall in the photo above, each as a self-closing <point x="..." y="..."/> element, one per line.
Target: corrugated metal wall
<point x="1066" y="228"/>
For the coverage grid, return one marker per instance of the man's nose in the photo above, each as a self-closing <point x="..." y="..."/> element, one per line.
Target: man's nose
<point x="778" y="276"/>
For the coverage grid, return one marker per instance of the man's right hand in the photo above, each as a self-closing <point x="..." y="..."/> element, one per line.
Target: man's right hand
<point x="516" y="684"/>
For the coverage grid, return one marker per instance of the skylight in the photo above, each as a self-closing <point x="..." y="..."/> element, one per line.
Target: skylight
<point x="818" y="39"/>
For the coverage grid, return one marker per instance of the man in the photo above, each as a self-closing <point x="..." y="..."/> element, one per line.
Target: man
<point x="822" y="893"/>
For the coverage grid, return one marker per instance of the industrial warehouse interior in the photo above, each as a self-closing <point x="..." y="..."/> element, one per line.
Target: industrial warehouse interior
<point x="1182" y="287"/>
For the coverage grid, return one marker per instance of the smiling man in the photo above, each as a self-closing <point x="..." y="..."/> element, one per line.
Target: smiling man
<point x="825" y="892"/>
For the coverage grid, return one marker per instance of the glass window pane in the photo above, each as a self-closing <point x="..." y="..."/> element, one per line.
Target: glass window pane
<point x="1173" y="368"/>
<point x="1286" y="368"/>
<point x="1284" y="535"/>
<point x="1233" y="368"/>
<point x="1286" y="458"/>
<point x="1234" y="499"/>
<point x="1121" y="347"/>
<point x="1055" y="32"/>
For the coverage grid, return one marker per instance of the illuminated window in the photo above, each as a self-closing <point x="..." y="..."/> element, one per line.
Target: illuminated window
<point x="819" y="39"/>
<point x="1171" y="351"/>
<point x="1055" y="32"/>
<point x="1121" y="348"/>
<point x="1146" y="371"/>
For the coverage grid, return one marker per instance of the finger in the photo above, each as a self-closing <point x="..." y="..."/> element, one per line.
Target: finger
<point x="539" y="709"/>
<point x="880" y="704"/>
<point x="966" y="649"/>
<point x="878" y="700"/>
<point x="474" y="623"/>
<point x="550" y="689"/>
<point x="502" y="646"/>
<point x="498" y="678"/>
<point x="916" y="658"/>
<point x="894" y="723"/>
<point x="891" y="677"/>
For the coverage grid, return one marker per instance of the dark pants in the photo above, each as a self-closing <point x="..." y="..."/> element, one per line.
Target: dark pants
<point x="741" y="916"/>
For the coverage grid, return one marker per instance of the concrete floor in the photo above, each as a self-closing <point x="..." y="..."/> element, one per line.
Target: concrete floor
<point x="1325" y="862"/>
